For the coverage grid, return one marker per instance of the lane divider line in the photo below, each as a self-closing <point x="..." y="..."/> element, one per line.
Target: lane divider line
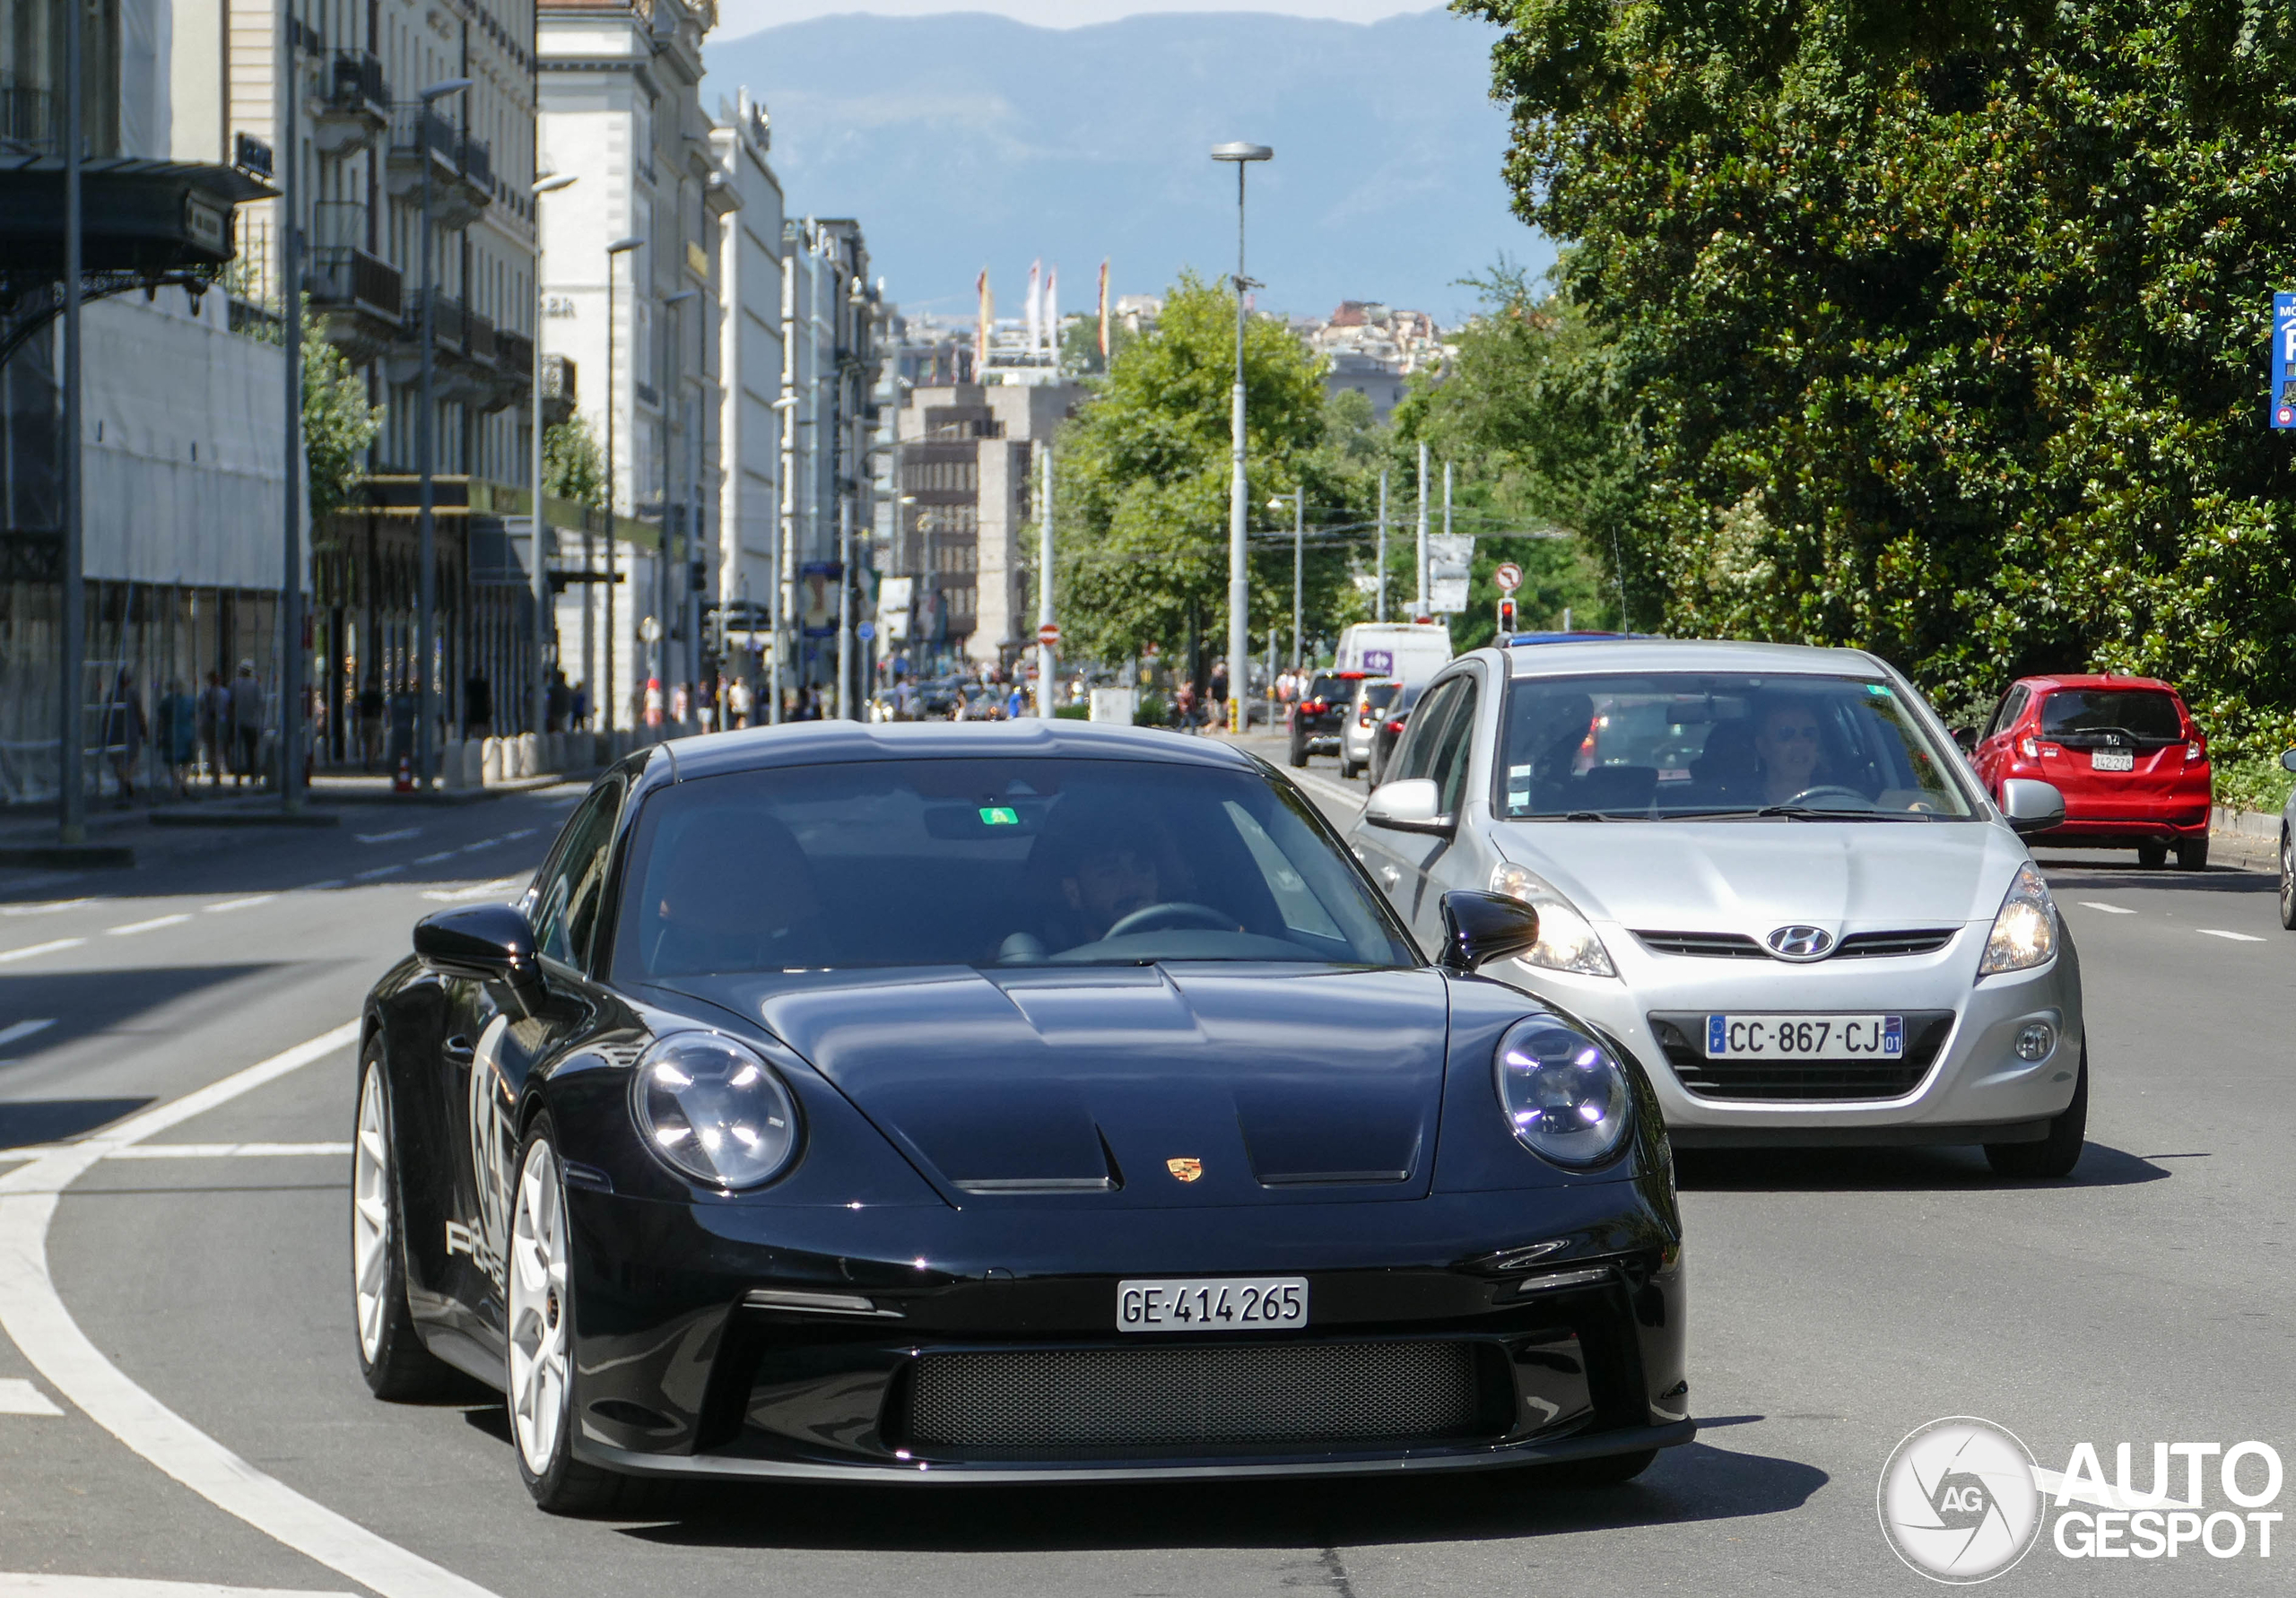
<point x="379" y="871"/>
<point x="20" y="1397"/>
<point x="24" y="1030"/>
<point x="42" y="1584"/>
<point x="2090" y="904"/>
<point x="48" y="908"/>
<point x="2210" y="931"/>
<point x="35" y="1318"/>
<point x="247" y="903"/>
<point x="152" y="926"/>
<point x="376" y="838"/>
<point x="50" y="947"/>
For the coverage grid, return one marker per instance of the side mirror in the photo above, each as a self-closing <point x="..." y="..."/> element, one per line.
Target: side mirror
<point x="1481" y="927"/>
<point x="2288" y="760"/>
<point x="490" y="943"/>
<point x="1407" y="805"/>
<point x="1966" y="738"/>
<point x="2031" y="806"/>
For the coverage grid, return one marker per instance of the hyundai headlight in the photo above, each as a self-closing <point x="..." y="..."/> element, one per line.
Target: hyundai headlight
<point x="1568" y="941"/>
<point x="1566" y="1099"/>
<point x="713" y="1111"/>
<point x="2025" y="933"/>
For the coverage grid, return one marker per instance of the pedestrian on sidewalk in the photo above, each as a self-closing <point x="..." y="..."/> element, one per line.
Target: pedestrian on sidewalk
<point x="741" y="700"/>
<point x="176" y="734"/>
<point x="124" y="731"/>
<point x="246" y="725"/>
<point x="215" y="727"/>
<point x="371" y="705"/>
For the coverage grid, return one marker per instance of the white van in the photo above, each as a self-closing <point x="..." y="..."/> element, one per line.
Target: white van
<point x="1408" y="652"/>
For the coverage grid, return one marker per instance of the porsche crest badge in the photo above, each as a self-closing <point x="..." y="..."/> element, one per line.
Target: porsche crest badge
<point x="1185" y="1171"/>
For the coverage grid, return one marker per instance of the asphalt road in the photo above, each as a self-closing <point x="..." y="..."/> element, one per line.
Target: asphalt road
<point x="1841" y="1299"/>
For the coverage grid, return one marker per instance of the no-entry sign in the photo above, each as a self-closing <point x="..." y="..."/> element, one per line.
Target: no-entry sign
<point x="1048" y="634"/>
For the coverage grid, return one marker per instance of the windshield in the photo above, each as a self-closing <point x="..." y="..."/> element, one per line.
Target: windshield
<point x="2140" y="712"/>
<point x="1667" y="743"/>
<point x="989" y="863"/>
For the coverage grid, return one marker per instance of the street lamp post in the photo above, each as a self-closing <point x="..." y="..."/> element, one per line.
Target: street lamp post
<point x="426" y="424"/>
<point x="1381" y="612"/>
<point x="538" y="717"/>
<point x="614" y="252"/>
<point x="1419" y="606"/>
<point x="1239" y="642"/>
<point x="71" y="768"/>
<point x="290" y="310"/>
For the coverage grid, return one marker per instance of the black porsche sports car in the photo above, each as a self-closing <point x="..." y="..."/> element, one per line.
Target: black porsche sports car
<point x="1046" y="1101"/>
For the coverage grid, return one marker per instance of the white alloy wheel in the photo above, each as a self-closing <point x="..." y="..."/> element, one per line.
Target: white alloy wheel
<point x="538" y="1310"/>
<point x="370" y="1218"/>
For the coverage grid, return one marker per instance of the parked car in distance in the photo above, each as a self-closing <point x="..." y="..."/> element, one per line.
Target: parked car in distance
<point x="1390" y="728"/>
<point x="1319" y="713"/>
<point x="1362" y="724"/>
<point x="2125" y="753"/>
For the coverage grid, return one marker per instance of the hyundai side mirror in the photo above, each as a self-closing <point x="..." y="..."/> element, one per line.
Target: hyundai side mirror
<point x="487" y="943"/>
<point x="1481" y="927"/>
<point x="1408" y="805"/>
<point x="2288" y="760"/>
<point x="2031" y="806"/>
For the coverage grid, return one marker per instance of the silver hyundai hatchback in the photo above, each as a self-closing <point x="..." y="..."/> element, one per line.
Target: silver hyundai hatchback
<point x="1765" y="869"/>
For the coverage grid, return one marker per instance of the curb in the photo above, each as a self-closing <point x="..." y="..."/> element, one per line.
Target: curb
<point x="195" y="817"/>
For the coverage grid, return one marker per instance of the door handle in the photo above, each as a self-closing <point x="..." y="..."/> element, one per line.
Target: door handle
<point x="1391" y="876"/>
<point x="459" y="1050"/>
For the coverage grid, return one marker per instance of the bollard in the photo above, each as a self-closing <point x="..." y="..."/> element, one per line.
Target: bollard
<point x="490" y="763"/>
<point x="526" y="761"/>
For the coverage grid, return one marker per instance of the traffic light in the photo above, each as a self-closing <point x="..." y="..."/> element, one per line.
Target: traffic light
<point x="1506" y="614"/>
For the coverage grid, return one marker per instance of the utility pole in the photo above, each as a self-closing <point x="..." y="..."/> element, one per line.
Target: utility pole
<point x="290" y="310"/>
<point x="785" y="537"/>
<point x="1239" y="598"/>
<point x="1382" y="610"/>
<point x="545" y="628"/>
<point x="1299" y="548"/>
<point x="603" y="697"/>
<point x="1045" y="651"/>
<point x="71" y="768"/>
<point x="1419" y="606"/>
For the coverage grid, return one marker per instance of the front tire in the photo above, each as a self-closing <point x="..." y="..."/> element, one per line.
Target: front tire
<point x="2287" y="881"/>
<point x="539" y="1389"/>
<point x="1299" y="751"/>
<point x="392" y="1358"/>
<point x="1349" y="770"/>
<point x="2151" y="854"/>
<point x="2192" y="853"/>
<point x="2057" y="1154"/>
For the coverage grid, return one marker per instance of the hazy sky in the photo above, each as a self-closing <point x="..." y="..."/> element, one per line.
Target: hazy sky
<point x="738" y="17"/>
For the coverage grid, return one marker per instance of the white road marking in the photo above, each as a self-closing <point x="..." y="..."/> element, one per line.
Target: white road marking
<point x="24" y="1030"/>
<point x="41" y="1584"/>
<point x="47" y="908"/>
<point x="449" y="896"/>
<point x="521" y="833"/>
<point x="434" y="859"/>
<point x="2090" y="904"/>
<point x="37" y="1321"/>
<point x="376" y="838"/>
<point x="2210" y="931"/>
<point x="247" y="903"/>
<point x="483" y="843"/>
<point x="50" y="947"/>
<point x="152" y="926"/>
<point x="320" y="887"/>
<point x="20" y="1397"/>
<point x="225" y="1150"/>
<point x="379" y="871"/>
<point x="1329" y="789"/>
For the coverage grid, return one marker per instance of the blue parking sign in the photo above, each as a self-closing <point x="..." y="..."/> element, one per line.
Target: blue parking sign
<point x="2284" y="359"/>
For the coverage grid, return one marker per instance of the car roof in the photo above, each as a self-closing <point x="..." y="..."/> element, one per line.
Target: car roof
<point x="1682" y="655"/>
<point x="2095" y="680"/>
<point x="821" y="742"/>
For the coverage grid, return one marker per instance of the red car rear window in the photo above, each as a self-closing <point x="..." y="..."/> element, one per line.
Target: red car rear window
<point x="2140" y="712"/>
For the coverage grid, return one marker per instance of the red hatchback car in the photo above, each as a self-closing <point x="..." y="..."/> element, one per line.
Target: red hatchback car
<point x="2124" y="752"/>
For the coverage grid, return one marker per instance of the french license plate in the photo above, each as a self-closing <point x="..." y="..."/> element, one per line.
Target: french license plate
<point x="2112" y="760"/>
<point x="1804" y="1037"/>
<point x="1225" y="1304"/>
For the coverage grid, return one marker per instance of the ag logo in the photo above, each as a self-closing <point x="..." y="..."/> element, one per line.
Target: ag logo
<point x="1185" y="1171"/>
<point x="1958" y="1502"/>
<point x="1800" y="942"/>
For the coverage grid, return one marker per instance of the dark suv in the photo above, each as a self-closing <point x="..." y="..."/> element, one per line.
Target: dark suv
<point x="1316" y="718"/>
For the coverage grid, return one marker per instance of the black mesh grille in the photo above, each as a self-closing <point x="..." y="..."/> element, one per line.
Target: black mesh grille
<point x="1840" y="1079"/>
<point x="1713" y="945"/>
<point x="1925" y="940"/>
<point x="1069" y="1399"/>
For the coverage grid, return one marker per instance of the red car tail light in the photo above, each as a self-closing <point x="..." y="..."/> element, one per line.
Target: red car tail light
<point x="1311" y="707"/>
<point x="1363" y="717"/>
<point x="2195" y="752"/>
<point x="1395" y="727"/>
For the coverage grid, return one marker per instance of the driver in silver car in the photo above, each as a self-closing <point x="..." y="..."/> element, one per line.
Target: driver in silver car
<point x="1789" y="746"/>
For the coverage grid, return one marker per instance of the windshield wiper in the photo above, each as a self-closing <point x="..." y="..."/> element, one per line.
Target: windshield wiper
<point x="1811" y="813"/>
<point x="1590" y="815"/>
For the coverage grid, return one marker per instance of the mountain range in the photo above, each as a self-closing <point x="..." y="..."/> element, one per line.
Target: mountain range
<point x="964" y="141"/>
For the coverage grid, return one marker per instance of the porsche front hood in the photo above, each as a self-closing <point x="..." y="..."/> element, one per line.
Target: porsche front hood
<point x="1752" y="876"/>
<point x="1153" y="1086"/>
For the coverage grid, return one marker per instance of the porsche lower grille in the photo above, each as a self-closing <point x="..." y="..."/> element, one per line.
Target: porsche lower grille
<point x="1061" y="1402"/>
<point x="1804" y="1081"/>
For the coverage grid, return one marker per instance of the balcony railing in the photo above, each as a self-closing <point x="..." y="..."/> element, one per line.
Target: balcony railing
<point x="27" y="116"/>
<point x="478" y="336"/>
<point x="339" y="224"/>
<point x="558" y="375"/>
<point x="514" y="355"/>
<point x="448" y="322"/>
<point x="416" y="127"/>
<point x="345" y="277"/>
<point x="358" y="83"/>
<point x="478" y="162"/>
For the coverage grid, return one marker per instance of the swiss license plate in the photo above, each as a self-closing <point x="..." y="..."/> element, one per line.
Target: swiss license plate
<point x="1804" y="1037"/>
<point x="2112" y="760"/>
<point x="1222" y="1304"/>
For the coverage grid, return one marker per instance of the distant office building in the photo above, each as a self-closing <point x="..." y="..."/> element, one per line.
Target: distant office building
<point x="1374" y="349"/>
<point x="749" y="430"/>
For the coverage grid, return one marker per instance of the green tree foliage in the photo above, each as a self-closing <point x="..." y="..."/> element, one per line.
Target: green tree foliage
<point x="1939" y="324"/>
<point x="338" y="424"/>
<point x="1142" y="476"/>
<point x="572" y="468"/>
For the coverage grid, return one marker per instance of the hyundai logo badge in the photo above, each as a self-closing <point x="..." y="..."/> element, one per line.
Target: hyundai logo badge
<point x="1801" y="942"/>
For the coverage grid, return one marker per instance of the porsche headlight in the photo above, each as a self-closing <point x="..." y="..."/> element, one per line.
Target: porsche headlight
<point x="2025" y="933"/>
<point x="713" y="1111"/>
<point x="1568" y="941"/>
<point x="1566" y="1099"/>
